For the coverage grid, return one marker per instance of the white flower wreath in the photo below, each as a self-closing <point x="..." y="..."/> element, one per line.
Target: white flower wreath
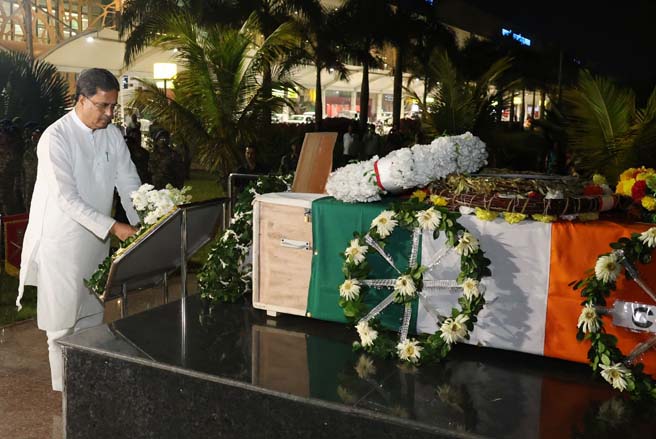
<point x="416" y="216"/>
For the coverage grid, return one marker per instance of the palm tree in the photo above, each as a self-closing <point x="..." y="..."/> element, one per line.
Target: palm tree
<point x="320" y="48"/>
<point x="605" y="129"/>
<point x="409" y="23"/>
<point x="141" y="20"/>
<point x="30" y="89"/>
<point x="218" y="96"/>
<point x="434" y="36"/>
<point x="459" y="105"/>
<point x="364" y="23"/>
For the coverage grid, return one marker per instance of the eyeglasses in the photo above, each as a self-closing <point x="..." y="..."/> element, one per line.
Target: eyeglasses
<point x="102" y="106"/>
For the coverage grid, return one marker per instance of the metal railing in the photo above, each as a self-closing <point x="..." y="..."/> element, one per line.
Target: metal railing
<point x="232" y="194"/>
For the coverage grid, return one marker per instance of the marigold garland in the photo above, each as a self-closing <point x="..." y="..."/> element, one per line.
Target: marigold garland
<point x="605" y="358"/>
<point x="426" y="214"/>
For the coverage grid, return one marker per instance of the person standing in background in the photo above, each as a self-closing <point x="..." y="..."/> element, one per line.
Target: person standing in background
<point x="350" y="141"/>
<point x="30" y="164"/>
<point x="371" y="141"/>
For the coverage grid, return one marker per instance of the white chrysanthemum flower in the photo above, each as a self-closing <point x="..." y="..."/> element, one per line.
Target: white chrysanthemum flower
<point x="616" y="375"/>
<point x="384" y="223"/>
<point x="350" y="289"/>
<point x="365" y="367"/>
<point x="648" y="237"/>
<point x="454" y="330"/>
<point x="228" y="234"/>
<point x="409" y="350"/>
<point x="405" y="286"/>
<point x="607" y="268"/>
<point x="429" y="219"/>
<point x="236" y="217"/>
<point x="139" y="200"/>
<point x="144" y="188"/>
<point x="367" y="334"/>
<point x="356" y="252"/>
<point x="613" y="411"/>
<point x="588" y="319"/>
<point x="467" y="245"/>
<point x="470" y="288"/>
<point x="151" y="218"/>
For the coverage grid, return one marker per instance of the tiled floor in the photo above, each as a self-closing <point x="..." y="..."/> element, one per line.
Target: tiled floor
<point x="29" y="409"/>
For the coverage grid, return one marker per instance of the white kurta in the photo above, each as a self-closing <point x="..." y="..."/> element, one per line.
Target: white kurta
<point x="66" y="237"/>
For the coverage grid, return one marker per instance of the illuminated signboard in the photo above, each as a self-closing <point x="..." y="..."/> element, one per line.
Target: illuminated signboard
<point x="517" y="37"/>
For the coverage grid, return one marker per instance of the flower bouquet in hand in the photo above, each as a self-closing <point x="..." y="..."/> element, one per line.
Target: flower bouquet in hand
<point x="152" y="206"/>
<point x="640" y="185"/>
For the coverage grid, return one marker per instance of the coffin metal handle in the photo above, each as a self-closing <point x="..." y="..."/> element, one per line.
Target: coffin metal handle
<point x="299" y="245"/>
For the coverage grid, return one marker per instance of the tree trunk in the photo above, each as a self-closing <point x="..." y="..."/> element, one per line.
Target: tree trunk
<point x="424" y="113"/>
<point x="364" y="97"/>
<point x="512" y="109"/>
<point x="533" y="109"/>
<point x="398" y="84"/>
<point x="318" y="101"/>
<point x="27" y="9"/>
<point x="522" y="111"/>
<point x="542" y="104"/>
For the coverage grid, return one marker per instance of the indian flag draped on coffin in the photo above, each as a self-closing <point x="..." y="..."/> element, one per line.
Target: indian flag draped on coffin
<point x="530" y="306"/>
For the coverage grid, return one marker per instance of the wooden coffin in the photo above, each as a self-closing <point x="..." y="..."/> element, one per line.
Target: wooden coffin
<point x="282" y="252"/>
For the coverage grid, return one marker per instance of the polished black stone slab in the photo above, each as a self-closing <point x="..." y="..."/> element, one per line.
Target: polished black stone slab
<point x="185" y="370"/>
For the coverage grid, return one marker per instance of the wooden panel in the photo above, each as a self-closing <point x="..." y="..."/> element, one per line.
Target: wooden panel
<point x="284" y="273"/>
<point x="315" y="163"/>
<point x="280" y="360"/>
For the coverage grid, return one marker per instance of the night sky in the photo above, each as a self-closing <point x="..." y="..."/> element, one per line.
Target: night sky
<point x="614" y="38"/>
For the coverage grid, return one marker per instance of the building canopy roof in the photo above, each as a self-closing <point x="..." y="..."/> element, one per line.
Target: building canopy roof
<point x="103" y="49"/>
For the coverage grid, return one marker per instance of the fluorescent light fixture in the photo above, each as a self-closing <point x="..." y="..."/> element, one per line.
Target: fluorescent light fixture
<point x="164" y="70"/>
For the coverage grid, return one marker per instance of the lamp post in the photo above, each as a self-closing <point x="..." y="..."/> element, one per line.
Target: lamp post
<point x="164" y="71"/>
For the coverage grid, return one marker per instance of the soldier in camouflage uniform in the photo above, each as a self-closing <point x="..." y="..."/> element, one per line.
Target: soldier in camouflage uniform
<point x="10" y="170"/>
<point x="165" y="165"/>
<point x="32" y="136"/>
<point x="140" y="156"/>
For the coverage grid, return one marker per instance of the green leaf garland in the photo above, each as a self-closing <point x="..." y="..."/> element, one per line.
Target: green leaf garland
<point x="604" y="355"/>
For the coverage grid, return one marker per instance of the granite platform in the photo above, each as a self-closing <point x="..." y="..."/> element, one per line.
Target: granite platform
<point x="187" y="370"/>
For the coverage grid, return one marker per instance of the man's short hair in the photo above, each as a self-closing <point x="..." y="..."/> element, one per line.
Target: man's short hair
<point x="91" y="80"/>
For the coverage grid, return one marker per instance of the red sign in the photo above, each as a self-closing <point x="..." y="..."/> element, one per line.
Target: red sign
<point x="14" y="230"/>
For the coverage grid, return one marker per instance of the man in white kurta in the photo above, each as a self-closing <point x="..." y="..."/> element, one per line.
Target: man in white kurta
<point x="81" y="159"/>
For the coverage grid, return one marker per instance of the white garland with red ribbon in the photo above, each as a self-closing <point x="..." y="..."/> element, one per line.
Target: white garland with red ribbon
<point x="407" y="168"/>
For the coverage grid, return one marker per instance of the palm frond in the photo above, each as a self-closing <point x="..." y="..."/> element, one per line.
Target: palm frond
<point x="31" y="89"/>
<point x="600" y="117"/>
<point x="219" y="97"/>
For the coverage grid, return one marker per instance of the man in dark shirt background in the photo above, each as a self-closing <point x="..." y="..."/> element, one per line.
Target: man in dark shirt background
<point x="250" y="166"/>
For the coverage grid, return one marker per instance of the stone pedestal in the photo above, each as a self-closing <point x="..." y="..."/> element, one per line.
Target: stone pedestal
<point x="185" y="371"/>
